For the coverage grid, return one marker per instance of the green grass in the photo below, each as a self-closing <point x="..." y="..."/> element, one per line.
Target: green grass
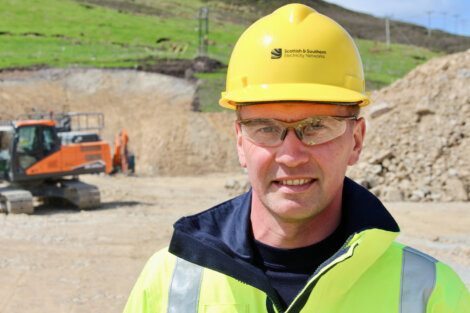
<point x="18" y="51"/>
<point x="383" y="65"/>
<point x="61" y="33"/>
<point x="209" y="92"/>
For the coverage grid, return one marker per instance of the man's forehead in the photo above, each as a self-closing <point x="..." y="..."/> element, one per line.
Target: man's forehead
<point x="292" y="111"/>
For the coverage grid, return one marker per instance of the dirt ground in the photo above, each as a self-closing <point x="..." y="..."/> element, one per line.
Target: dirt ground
<point x="64" y="260"/>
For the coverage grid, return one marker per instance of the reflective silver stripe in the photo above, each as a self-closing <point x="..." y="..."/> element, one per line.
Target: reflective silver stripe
<point x="418" y="277"/>
<point x="184" y="288"/>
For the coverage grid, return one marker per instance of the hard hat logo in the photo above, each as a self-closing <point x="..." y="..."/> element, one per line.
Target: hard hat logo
<point x="295" y="54"/>
<point x="276" y="53"/>
<point x="304" y="53"/>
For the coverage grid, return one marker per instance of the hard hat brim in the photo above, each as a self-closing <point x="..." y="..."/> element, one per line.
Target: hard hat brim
<point x="292" y="92"/>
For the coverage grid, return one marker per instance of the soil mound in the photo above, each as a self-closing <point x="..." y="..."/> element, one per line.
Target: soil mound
<point x="183" y="68"/>
<point x="418" y="140"/>
<point x="166" y="137"/>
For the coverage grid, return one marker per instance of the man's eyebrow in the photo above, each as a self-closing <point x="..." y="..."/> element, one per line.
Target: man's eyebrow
<point x="254" y="120"/>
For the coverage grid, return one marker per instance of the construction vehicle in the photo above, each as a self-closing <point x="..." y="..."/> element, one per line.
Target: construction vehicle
<point x="123" y="159"/>
<point x="42" y="155"/>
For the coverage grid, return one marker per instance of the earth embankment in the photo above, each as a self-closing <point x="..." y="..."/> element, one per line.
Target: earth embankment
<point x="165" y="135"/>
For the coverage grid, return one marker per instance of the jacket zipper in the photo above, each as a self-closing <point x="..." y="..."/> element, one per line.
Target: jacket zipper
<point x="323" y="269"/>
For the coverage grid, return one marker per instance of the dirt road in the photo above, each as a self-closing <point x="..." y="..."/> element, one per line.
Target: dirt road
<point x="63" y="260"/>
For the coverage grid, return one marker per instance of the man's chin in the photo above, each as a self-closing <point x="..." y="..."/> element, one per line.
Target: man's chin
<point x="292" y="209"/>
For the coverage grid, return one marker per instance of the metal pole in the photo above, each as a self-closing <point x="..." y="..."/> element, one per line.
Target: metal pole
<point x="199" y="43"/>
<point x="206" y="29"/>
<point x="463" y="23"/>
<point x="429" y="22"/>
<point x="203" y="30"/>
<point x="456" y="30"/>
<point x="387" y="31"/>
<point x="206" y="20"/>
<point x="444" y="14"/>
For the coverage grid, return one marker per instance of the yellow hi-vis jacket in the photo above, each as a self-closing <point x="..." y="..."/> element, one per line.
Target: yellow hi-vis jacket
<point x="208" y="269"/>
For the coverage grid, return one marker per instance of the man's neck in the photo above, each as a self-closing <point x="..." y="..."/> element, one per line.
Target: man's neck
<point x="276" y="232"/>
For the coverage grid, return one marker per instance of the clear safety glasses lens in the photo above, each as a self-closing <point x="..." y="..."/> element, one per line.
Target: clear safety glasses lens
<point x="311" y="131"/>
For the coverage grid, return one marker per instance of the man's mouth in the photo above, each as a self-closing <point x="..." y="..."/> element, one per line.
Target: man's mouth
<point x="294" y="182"/>
<point x="294" y="185"/>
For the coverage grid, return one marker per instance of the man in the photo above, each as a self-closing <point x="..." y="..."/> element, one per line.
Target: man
<point x="305" y="238"/>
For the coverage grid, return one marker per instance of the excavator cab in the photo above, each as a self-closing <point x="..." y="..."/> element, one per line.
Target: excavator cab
<point x="33" y="142"/>
<point x="45" y="149"/>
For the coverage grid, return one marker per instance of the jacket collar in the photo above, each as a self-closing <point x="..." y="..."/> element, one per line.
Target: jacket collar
<point x="221" y="237"/>
<point x="227" y="227"/>
<point x="362" y="210"/>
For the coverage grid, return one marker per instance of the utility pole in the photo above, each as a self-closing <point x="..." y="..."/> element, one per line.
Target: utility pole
<point x="464" y="26"/>
<point x="203" y="30"/>
<point x="387" y="31"/>
<point x="456" y="30"/>
<point x="444" y="24"/>
<point x="429" y="22"/>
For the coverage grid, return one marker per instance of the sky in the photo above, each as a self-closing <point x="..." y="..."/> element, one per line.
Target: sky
<point x="449" y="15"/>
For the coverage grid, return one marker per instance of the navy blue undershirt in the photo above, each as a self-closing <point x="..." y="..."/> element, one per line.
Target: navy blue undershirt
<point x="289" y="269"/>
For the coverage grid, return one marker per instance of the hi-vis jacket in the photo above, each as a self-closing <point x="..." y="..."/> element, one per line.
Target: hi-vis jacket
<point x="209" y="268"/>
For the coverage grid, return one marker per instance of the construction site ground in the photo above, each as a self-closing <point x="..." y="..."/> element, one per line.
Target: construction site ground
<point x="65" y="260"/>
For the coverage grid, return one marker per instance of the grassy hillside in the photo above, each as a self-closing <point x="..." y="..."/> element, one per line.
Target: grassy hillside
<point x="365" y="26"/>
<point x="121" y="33"/>
<point x="62" y="32"/>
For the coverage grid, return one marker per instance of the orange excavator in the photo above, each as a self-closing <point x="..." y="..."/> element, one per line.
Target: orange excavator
<point x="123" y="158"/>
<point x="42" y="156"/>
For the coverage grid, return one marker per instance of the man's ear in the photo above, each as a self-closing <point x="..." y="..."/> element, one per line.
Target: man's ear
<point x="359" y="133"/>
<point x="241" y="153"/>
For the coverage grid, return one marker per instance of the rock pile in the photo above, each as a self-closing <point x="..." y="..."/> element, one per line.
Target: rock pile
<point x="418" y="140"/>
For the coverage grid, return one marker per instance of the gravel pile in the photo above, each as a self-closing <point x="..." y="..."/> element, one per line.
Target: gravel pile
<point x="418" y="140"/>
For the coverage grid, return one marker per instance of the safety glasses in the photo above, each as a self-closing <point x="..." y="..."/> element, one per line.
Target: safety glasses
<point x="311" y="131"/>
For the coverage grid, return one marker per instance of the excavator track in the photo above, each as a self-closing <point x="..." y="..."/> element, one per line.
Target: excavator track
<point x="83" y="196"/>
<point x="15" y="201"/>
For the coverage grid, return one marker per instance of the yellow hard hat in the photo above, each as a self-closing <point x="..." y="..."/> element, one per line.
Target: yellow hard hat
<point x="295" y="54"/>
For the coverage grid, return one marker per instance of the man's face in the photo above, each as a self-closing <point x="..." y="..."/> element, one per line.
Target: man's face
<point x="293" y="181"/>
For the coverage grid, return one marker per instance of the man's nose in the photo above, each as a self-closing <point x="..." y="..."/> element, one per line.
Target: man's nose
<point x="292" y="152"/>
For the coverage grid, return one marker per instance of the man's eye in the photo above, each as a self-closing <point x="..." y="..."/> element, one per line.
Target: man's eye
<point x="268" y="129"/>
<point x="313" y="127"/>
